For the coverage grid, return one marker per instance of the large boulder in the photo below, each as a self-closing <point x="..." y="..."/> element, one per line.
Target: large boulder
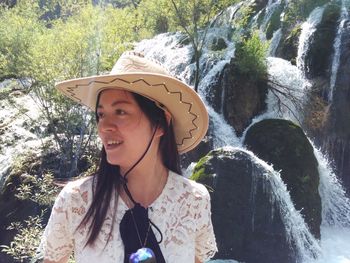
<point x="247" y="224"/>
<point x="284" y="145"/>
<point x="238" y="97"/>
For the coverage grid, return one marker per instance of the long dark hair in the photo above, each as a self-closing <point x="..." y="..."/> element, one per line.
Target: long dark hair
<point x="108" y="178"/>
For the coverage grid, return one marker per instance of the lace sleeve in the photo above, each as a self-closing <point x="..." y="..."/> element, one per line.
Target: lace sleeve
<point x="57" y="240"/>
<point x="205" y="238"/>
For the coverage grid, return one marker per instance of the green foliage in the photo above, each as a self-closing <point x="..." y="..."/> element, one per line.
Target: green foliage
<point x="86" y="42"/>
<point x="193" y="17"/>
<point x="243" y="17"/>
<point x="19" y="27"/>
<point x="25" y="244"/>
<point x="26" y="241"/>
<point x="153" y="17"/>
<point x="250" y="57"/>
<point x="299" y="10"/>
<point x="41" y="190"/>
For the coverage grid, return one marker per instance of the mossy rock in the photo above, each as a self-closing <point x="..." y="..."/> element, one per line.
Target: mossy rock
<point x="275" y="22"/>
<point x="288" y="49"/>
<point x="319" y="57"/>
<point x="284" y="145"/>
<point x="244" y="97"/>
<point x="218" y="44"/>
<point x="247" y="225"/>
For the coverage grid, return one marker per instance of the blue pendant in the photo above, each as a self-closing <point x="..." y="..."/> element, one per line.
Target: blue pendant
<point x="143" y="255"/>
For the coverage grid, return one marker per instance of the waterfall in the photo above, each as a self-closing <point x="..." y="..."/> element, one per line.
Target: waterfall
<point x="289" y="82"/>
<point x="308" y="29"/>
<point x="16" y="139"/>
<point x="177" y="60"/>
<point x="276" y="38"/>
<point x="344" y="16"/>
<point x="225" y="18"/>
<point x="171" y="50"/>
<point x="271" y="7"/>
<point x="335" y="203"/>
<point x="298" y="233"/>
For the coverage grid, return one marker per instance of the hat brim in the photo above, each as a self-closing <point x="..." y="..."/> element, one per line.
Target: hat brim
<point x="189" y="115"/>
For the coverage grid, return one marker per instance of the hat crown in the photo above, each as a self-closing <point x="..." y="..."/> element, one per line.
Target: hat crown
<point x="132" y="62"/>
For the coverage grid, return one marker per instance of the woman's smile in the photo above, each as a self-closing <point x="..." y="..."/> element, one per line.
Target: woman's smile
<point x="123" y="128"/>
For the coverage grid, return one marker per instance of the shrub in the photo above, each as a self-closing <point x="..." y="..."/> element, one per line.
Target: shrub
<point x="250" y="57"/>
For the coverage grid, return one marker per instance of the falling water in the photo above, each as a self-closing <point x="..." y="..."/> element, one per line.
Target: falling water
<point x="308" y="29"/>
<point x="225" y="18"/>
<point x="286" y="100"/>
<point x="16" y="138"/>
<point x="276" y="38"/>
<point x="296" y="228"/>
<point x="336" y="47"/>
<point x="177" y="61"/>
<point x="335" y="228"/>
<point x="269" y="11"/>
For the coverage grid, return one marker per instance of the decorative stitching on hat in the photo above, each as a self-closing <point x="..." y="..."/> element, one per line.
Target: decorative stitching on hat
<point x="71" y="92"/>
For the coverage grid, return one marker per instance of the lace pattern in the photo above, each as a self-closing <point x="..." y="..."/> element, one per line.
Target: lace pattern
<point x="182" y="212"/>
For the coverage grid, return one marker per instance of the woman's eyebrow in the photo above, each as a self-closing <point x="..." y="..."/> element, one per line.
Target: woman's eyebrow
<point x="115" y="103"/>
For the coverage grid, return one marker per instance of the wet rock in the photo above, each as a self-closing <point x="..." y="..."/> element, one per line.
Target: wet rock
<point x="288" y="49"/>
<point x="243" y="99"/>
<point x="248" y="227"/>
<point x="284" y="145"/>
<point x="218" y="44"/>
<point x="337" y="138"/>
<point x="275" y="21"/>
<point x="204" y="147"/>
<point x="318" y="60"/>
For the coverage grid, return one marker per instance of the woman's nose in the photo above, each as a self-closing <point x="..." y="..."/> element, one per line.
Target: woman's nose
<point x="107" y="125"/>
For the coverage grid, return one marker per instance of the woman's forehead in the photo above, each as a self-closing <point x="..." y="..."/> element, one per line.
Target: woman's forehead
<point x="110" y="96"/>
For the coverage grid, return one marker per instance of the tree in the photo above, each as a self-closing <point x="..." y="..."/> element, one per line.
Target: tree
<point x="86" y="43"/>
<point x="194" y="17"/>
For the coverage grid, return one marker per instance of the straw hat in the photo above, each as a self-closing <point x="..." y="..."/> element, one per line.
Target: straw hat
<point x="132" y="72"/>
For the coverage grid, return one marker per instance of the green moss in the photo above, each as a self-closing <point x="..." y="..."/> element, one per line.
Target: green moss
<point x="284" y="144"/>
<point x="199" y="171"/>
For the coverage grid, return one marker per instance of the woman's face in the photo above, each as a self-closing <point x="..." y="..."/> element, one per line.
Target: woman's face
<point x="124" y="129"/>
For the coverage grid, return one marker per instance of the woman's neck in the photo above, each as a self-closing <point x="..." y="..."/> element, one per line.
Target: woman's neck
<point x="145" y="182"/>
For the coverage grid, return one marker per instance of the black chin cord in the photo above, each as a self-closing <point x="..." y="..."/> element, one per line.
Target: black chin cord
<point x="125" y="180"/>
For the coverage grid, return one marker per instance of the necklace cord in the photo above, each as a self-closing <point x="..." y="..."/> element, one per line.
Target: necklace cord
<point x="157" y="228"/>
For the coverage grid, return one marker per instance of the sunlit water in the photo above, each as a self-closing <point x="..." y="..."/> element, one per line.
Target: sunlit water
<point x="16" y="139"/>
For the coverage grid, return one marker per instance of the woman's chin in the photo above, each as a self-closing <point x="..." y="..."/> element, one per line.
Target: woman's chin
<point x="113" y="161"/>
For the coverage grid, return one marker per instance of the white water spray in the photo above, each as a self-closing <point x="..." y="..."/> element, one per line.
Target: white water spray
<point x="308" y="28"/>
<point x="276" y="38"/>
<point x="344" y="15"/>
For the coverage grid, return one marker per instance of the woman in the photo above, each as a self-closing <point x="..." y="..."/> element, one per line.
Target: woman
<point x="137" y="208"/>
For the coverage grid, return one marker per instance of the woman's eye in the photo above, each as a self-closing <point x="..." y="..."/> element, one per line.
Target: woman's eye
<point x="100" y="114"/>
<point x="120" y="112"/>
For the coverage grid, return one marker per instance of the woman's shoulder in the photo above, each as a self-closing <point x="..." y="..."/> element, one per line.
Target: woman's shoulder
<point x="78" y="190"/>
<point x="188" y="186"/>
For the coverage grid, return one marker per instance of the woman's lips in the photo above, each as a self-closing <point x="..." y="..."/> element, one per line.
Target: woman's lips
<point x="112" y="144"/>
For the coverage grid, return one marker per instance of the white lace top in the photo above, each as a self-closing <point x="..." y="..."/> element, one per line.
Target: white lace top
<point x="182" y="213"/>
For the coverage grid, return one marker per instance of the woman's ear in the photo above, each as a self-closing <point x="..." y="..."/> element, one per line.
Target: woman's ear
<point x="168" y="118"/>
